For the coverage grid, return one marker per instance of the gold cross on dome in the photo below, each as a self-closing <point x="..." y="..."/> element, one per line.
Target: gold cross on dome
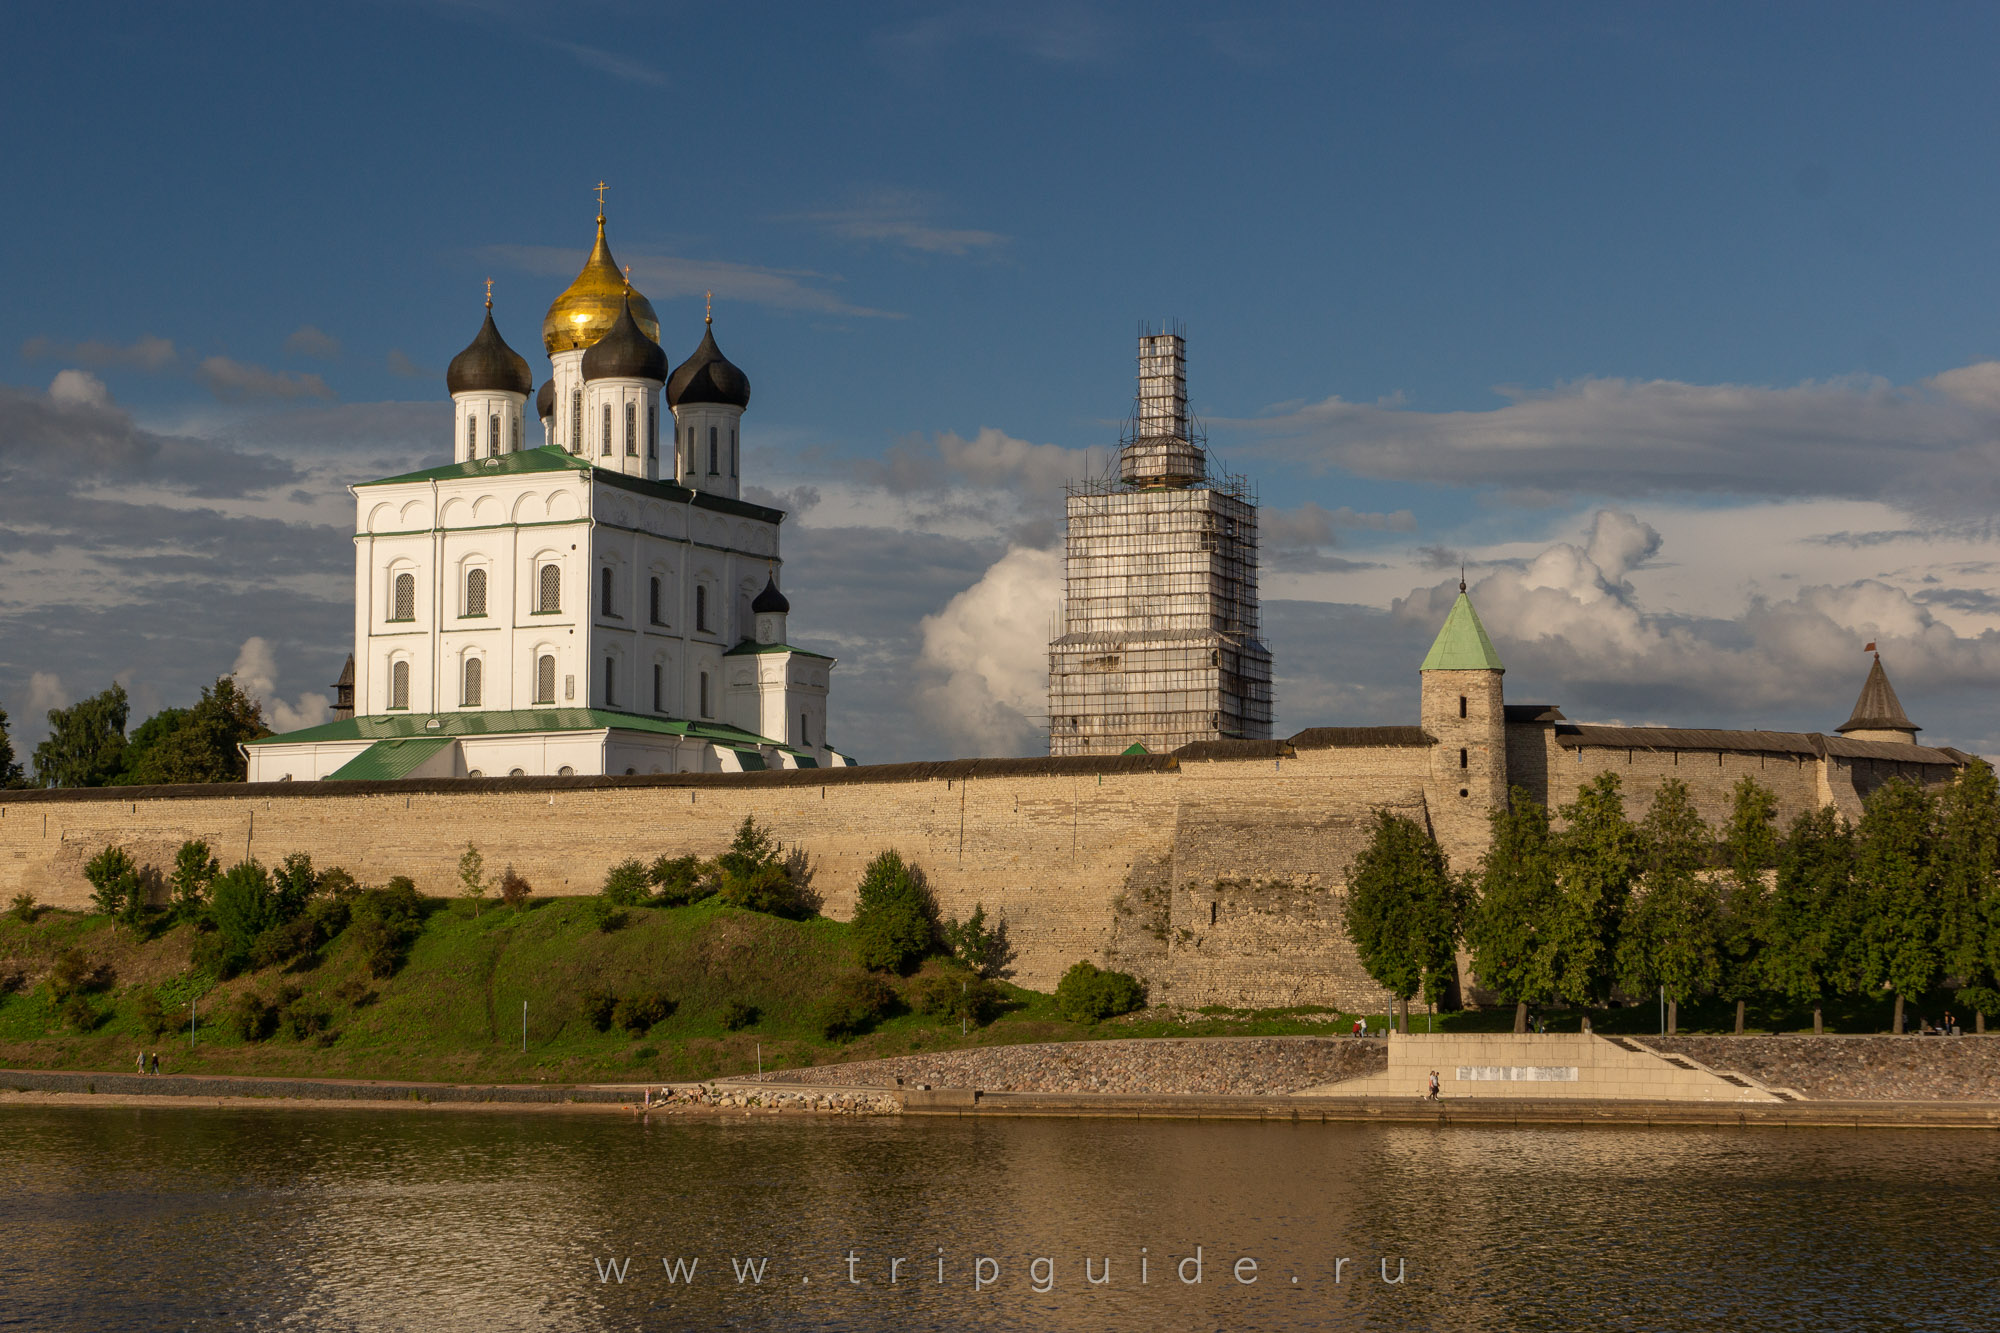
<point x="708" y="307"/>
<point x="489" y="293"/>
<point x="600" y="187"/>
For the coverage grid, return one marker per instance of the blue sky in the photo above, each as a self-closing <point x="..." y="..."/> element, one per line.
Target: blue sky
<point x="1675" y="322"/>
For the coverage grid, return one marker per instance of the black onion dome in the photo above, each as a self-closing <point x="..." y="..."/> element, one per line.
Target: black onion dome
<point x="708" y="377"/>
<point x="489" y="365"/>
<point x="545" y="401"/>
<point x="625" y="352"/>
<point x="770" y="601"/>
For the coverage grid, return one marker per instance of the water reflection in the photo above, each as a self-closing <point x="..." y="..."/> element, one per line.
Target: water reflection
<point x="118" y="1218"/>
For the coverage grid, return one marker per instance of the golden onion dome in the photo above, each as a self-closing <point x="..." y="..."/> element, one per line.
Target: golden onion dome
<point x="589" y="307"/>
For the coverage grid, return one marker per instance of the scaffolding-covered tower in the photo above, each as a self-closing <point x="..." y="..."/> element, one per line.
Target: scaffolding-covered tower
<point x="1158" y="643"/>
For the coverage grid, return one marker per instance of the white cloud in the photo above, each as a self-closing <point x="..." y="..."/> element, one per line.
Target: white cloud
<point x="146" y="353"/>
<point x="78" y="388"/>
<point x="986" y="654"/>
<point x="45" y="691"/>
<point x="662" y="277"/>
<point x="904" y="218"/>
<point x="256" y="673"/>
<point x="239" y="381"/>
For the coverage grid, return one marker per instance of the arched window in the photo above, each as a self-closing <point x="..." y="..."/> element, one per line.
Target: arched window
<point x="475" y="592"/>
<point x="474" y="678"/>
<point x="704" y="694"/>
<point x="658" y="698"/>
<point x="610" y="682"/>
<point x="631" y="430"/>
<point x="405" y="600"/>
<point x="399" y="685"/>
<point x="604" y="438"/>
<point x="804" y="738"/>
<point x="1462" y="760"/>
<point x="652" y="430"/>
<point x="514" y="433"/>
<point x="701" y="608"/>
<point x="549" y="594"/>
<point x="711" y="452"/>
<point x="653" y="601"/>
<point x="732" y="451"/>
<point x="545" y="679"/>
<point x="576" y="421"/>
<point x="471" y="436"/>
<point x="604" y="578"/>
<point x="493" y="436"/>
<point x="1461" y="705"/>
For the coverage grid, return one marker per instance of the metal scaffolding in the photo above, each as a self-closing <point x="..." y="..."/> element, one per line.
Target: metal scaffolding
<point x="1158" y="639"/>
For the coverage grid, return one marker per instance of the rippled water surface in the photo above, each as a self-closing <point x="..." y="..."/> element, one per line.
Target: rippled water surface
<point x="128" y="1219"/>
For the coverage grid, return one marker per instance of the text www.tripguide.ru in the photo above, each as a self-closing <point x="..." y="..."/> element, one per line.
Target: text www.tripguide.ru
<point x="1042" y="1272"/>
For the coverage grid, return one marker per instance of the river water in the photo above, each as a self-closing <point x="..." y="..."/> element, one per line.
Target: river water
<point x="200" y="1218"/>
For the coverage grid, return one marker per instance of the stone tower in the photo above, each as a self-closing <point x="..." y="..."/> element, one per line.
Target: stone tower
<point x="1463" y="710"/>
<point x="1878" y="714"/>
<point x="1158" y="645"/>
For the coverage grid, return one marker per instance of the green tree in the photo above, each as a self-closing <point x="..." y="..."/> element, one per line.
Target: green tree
<point x="980" y="947"/>
<point x="895" y="917"/>
<point x="625" y="884"/>
<point x="1672" y="936"/>
<point x="1968" y="855"/>
<point x="114" y="882"/>
<point x="142" y="748"/>
<point x="472" y="877"/>
<point x="243" y="905"/>
<point x="10" y="768"/>
<point x="1597" y="856"/>
<point x="1403" y="912"/>
<point x="86" y="744"/>
<point x="207" y="745"/>
<point x="195" y="868"/>
<point x="1525" y="941"/>
<point x="1803" y="925"/>
<point x="1896" y="883"/>
<point x="1088" y="994"/>
<point x="757" y="875"/>
<point x="293" y="885"/>
<point x="1750" y="847"/>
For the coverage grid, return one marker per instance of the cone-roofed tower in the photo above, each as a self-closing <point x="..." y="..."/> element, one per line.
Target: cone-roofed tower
<point x="1462" y="644"/>
<point x="1464" y="714"/>
<point x="1878" y="714"/>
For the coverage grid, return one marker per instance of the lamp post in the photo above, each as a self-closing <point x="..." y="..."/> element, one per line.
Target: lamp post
<point x="524" y="1027"/>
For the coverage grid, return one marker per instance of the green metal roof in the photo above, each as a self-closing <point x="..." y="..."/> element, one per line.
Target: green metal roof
<point x="387" y="760"/>
<point x="1462" y="644"/>
<point x="390" y="726"/>
<point x="749" y="648"/>
<point x="549" y="458"/>
<point x="752" y="761"/>
<point x="1135" y="748"/>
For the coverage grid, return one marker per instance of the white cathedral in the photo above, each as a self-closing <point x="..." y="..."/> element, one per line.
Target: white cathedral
<point x="590" y="606"/>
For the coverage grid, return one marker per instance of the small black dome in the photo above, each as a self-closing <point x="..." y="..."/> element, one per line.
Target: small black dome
<point x="625" y="353"/>
<point x="545" y="401"/>
<point x="708" y="377"/>
<point x="489" y="364"/>
<point x="770" y="601"/>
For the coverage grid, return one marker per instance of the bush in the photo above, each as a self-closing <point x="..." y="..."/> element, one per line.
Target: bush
<point x="955" y="994"/>
<point x="597" y="1006"/>
<point x="114" y="882"/>
<point x="23" y="908"/>
<point x="250" y="1018"/>
<point x="855" y="1004"/>
<point x="757" y="875"/>
<point x="80" y="1013"/>
<point x="384" y="922"/>
<point x="1088" y="995"/>
<point x="637" y="1013"/>
<point x="895" y="918"/>
<point x="600" y="913"/>
<point x="71" y="975"/>
<point x="302" y="1019"/>
<point x="472" y="877"/>
<point x="243" y="905"/>
<point x="627" y="884"/>
<point x="293" y="885"/>
<point x="152" y="1015"/>
<point x="736" y="1015"/>
<point x="355" y="991"/>
<point x="195" y="869"/>
<point x="680" y="880"/>
<point x="513" y="889"/>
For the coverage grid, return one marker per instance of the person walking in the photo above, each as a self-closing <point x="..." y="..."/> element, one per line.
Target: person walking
<point x="1434" y="1087"/>
<point x="142" y="1062"/>
<point x="156" y="1062"/>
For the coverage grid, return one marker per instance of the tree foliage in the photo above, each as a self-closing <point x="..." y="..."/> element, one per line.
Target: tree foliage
<point x="1525" y="940"/>
<point x="1672" y="938"/>
<point x="757" y="874"/>
<point x="242" y="904"/>
<point x="205" y="743"/>
<point x="115" y="887"/>
<point x="895" y="917"/>
<point x="10" y="767"/>
<point x="86" y="742"/>
<point x="195" y="869"/>
<point x="1597" y="855"/>
<point x="1403" y="910"/>
<point x="1090" y="994"/>
<point x="1801" y="954"/>
<point x="1895" y="881"/>
<point x="982" y="948"/>
<point x="1968" y="857"/>
<point x="1750" y="849"/>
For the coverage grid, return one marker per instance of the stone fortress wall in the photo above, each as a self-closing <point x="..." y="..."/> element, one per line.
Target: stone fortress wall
<point x="1217" y="873"/>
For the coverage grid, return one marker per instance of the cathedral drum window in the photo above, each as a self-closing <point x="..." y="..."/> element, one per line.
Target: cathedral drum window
<point x="631" y="430"/>
<point x="604" y="440"/>
<point x="701" y="610"/>
<point x="403" y="598"/>
<point x="548" y="589"/>
<point x="399" y="685"/>
<point x="545" y="679"/>
<point x="475" y="672"/>
<point x="576" y="421"/>
<point x="653" y="601"/>
<point x="475" y="592"/>
<point x="607" y="599"/>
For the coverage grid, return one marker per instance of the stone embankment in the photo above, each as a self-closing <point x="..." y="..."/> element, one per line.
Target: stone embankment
<point x="1863" y="1068"/>
<point x="1217" y="1066"/>
<point x="706" y="1095"/>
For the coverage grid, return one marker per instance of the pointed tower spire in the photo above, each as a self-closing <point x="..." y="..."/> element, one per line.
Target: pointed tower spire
<point x="1462" y="644"/>
<point x="1878" y="714"/>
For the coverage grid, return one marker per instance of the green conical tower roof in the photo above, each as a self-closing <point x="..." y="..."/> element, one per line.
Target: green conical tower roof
<point x="1462" y="644"/>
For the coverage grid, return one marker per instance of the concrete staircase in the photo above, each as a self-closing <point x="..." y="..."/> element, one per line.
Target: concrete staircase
<point x="1564" y="1066"/>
